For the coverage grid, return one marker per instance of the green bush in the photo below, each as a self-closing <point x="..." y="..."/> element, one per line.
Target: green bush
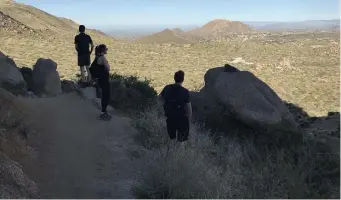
<point x="130" y="93"/>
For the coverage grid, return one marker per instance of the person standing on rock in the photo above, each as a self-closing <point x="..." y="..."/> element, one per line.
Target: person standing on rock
<point x="82" y="44"/>
<point x="178" y="108"/>
<point x="99" y="70"/>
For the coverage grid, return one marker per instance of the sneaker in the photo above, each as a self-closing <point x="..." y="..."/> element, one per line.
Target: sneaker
<point x="105" y="116"/>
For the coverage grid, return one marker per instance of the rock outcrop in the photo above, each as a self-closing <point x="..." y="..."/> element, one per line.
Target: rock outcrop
<point x="10" y="76"/>
<point x="241" y="96"/>
<point x="46" y="79"/>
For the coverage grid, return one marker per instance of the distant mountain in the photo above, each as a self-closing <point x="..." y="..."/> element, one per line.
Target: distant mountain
<point x="214" y="28"/>
<point x="220" y="27"/>
<point x="177" y="30"/>
<point x="301" y="25"/>
<point x="140" y="31"/>
<point x="165" y="36"/>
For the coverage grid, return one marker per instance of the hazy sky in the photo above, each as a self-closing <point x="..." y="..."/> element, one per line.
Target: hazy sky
<point x="185" y="12"/>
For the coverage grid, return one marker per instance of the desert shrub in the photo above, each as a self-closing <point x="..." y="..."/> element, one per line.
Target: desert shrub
<point x="14" y="127"/>
<point x="151" y="125"/>
<point x="131" y="93"/>
<point x="230" y="167"/>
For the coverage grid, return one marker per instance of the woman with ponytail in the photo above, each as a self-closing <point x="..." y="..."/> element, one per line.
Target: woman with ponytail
<point x="100" y="69"/>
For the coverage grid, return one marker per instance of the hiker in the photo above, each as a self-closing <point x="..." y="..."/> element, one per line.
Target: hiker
<point x="177" y="107"/>
<point x="99" y="70"/>
<point x="82" y="43"/>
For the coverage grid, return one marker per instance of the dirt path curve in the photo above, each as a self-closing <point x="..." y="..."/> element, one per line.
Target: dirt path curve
<point x="79" y="155"/>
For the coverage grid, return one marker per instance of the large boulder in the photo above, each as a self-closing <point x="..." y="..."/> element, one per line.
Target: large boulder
<point x="46" y="79"/>
<point x="213" y="113"/>
<point x="10" y="76"/>
<point x="212" y="75"/>
<point x="7" y="59"/>
<point x="252" y="101"/>
<point x="238" y="98"/>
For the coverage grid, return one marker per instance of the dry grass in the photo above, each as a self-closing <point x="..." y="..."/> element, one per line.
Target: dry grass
<point x="15" y="125"/>
<point x="230" y="168"/>
<point x="303" y="69"/>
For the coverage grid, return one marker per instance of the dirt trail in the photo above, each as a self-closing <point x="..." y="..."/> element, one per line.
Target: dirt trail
<point x="79" y="155"/>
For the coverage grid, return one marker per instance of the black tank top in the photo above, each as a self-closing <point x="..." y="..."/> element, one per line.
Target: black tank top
<point x="103" y="72"/>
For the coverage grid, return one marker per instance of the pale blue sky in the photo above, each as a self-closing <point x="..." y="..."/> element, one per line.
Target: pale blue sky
<point x="185" y="12"/>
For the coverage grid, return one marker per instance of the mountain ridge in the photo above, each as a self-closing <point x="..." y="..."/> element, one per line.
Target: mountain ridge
<point x="165" y="36"/>
<point x="39" y="20"/>
<point x="220" y="27"/>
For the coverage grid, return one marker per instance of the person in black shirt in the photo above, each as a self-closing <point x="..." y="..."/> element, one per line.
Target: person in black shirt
<point x="178" y="109"/>
<point x="101" y="65"/>
<point x="82" y="44"/>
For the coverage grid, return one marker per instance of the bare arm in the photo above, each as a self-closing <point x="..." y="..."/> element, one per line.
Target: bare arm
<point x="188" y="109"/>
<point x="103" y="61"/>
<point x="92" y="47"/>
<point x="76" y="44"/>
<point x="106" y="63"/>
<point x="92" y="44"/>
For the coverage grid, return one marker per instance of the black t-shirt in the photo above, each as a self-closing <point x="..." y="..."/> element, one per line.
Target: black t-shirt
<point x="83" y="42"/>
<point x="175" y="92"/>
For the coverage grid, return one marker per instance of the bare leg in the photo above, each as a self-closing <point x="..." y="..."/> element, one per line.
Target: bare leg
<point x="83" y="70"/>
<point x="88" y="73"/>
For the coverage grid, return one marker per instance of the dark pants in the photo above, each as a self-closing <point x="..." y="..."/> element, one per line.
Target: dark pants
<point x="105" y="90"/>
<point x="83" y="60"/>
<point x="178" y="128"/>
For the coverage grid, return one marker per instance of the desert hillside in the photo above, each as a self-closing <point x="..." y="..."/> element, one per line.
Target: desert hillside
<point x="37" y="19"/>
<point x="8" y="24"/>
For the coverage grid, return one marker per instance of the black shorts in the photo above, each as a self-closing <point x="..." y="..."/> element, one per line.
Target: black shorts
<point x="178" y="128"/>
<point x="84" y="60"/>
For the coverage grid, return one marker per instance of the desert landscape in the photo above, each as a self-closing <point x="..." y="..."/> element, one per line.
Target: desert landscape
<point x="302" y="67"/>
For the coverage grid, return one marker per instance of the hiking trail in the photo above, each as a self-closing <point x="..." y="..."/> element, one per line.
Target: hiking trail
<point x="79" y="155"/>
